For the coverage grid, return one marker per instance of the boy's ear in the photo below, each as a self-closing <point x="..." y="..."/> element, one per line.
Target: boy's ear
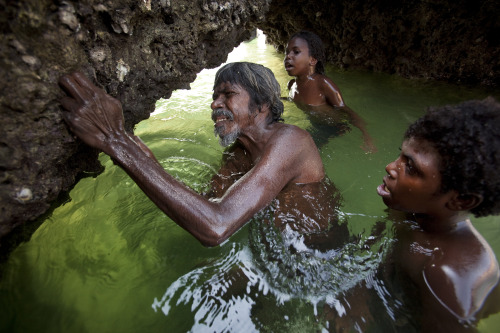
<point x="465" y="202"/>
<point x="313" y="61"/>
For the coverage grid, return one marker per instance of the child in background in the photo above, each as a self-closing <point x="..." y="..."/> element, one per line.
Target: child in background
<point x="448" y="169"/>
<point x="314" y="92"/>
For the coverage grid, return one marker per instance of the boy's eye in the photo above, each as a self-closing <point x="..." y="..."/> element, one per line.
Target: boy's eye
<point x="409" y="165"/>
<point x="410" y="169"/>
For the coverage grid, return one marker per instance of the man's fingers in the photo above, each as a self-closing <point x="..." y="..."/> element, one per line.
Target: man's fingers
<point x="83" y="81"/>
<point x="69" y="119"/>
<point x="78" y="86"/>
<point x="69" y="104"/>
<point x="69" y="84"/>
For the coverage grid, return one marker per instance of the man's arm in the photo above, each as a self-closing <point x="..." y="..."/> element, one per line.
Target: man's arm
<point x="97" y="119"/>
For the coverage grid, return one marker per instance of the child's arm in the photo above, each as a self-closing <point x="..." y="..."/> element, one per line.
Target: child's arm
<point x="331" y="92"/>
<point x="359" y="122"/>
<point x="334" y="98"/>
<point x="289" y="86"/>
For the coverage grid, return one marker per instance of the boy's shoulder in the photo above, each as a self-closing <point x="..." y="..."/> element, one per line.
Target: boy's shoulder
<point x="462" y="275"/>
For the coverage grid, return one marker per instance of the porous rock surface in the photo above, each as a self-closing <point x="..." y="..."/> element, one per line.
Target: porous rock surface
<point x="138" y="50"/>
<point x="142" y="50"/>
<point x="451" y="40"/>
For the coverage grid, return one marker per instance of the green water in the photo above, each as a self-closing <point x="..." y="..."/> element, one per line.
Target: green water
<point x="110" y="261"/>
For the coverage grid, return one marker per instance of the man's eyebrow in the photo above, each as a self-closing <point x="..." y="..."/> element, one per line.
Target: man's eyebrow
<point x="220" y="91"/>
<point x="224" y="90"/>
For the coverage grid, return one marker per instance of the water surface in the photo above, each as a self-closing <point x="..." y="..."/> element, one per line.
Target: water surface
<point x="110" y="261"/>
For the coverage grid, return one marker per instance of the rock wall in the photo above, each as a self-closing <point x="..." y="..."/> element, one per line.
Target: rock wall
<point x="138" y="50"/>
<point x="142" y="50"/>
<point x="456" y="41"/>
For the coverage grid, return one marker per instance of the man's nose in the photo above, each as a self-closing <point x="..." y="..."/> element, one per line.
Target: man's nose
<point x="217" y="103"/>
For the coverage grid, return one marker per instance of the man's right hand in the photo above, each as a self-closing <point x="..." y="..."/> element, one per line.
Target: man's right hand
<point x="94" y="116"/>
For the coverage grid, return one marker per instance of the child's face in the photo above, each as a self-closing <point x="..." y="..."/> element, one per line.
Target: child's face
<point x="413" y="181"/>
<point x="297" y="59"/>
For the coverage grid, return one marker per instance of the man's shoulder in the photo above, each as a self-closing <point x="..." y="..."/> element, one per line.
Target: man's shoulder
<point x="288" y="131"/>
<point x="291" y="140"/>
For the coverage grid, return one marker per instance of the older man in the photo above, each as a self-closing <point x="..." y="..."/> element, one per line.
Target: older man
<point x="281" y="159"/>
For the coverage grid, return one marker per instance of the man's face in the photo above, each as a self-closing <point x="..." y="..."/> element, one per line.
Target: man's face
<point x="230" y="112"/>
<point x="413" y="181"/>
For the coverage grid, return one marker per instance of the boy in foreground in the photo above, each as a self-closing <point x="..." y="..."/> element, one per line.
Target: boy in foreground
<point x="447" y="170"/>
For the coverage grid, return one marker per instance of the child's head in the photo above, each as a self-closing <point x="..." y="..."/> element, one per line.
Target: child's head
<point x="467" y="138"/>
<point x="316" y="48"/>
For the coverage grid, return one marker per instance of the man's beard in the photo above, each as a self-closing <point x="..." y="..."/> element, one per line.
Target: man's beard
<point x="227" y="139"/>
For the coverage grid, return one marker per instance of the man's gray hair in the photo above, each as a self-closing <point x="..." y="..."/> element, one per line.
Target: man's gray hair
<point x="258" y="81"/>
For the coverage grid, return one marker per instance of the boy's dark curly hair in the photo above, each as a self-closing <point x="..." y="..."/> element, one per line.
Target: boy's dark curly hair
<point x="467" y="137"/>
<point x="316" y="48"/>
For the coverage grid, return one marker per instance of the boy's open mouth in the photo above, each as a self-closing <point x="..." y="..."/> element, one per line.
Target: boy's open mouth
<point x="382" y="190"/>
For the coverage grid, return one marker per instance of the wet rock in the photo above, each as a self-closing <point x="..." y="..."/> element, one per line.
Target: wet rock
<point x="455" y="41"/>
<point x="139" y="51"/>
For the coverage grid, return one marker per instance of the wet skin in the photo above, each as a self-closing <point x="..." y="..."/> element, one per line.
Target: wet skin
<point x="451" y="264"/>
<point x="308" y="87"/>
<point x="279" y="154"/>
<point x="316" y="93"/>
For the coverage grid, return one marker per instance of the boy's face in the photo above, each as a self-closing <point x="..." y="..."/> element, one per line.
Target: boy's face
<point x="413" y="181"/>
<point x="297" y="59"/>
